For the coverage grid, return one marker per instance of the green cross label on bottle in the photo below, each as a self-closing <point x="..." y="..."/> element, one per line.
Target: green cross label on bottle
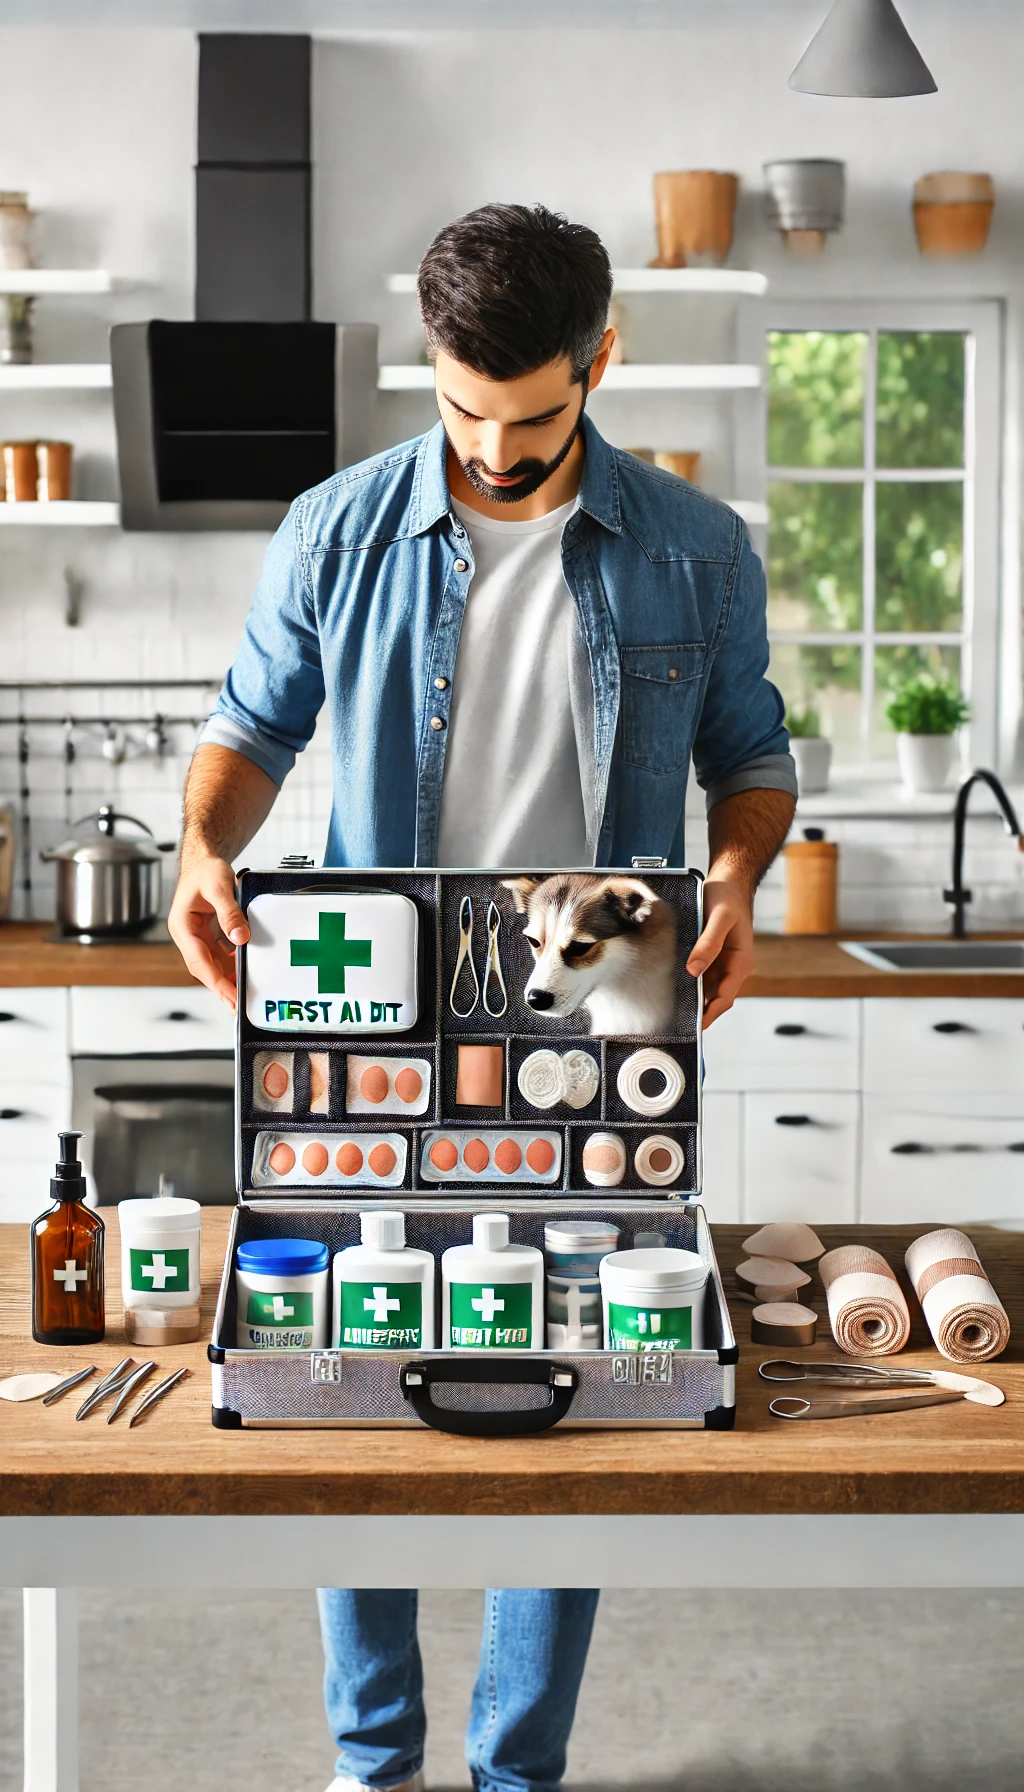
<point x="162" y="1272"/>
<point x="280" y="1321"/>
<point x="644" y="1328"/>
<point x="491" y="1316"/>
<point x="379" y="1316"/>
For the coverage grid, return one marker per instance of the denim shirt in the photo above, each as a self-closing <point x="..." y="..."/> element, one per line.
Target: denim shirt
<point x="362" y="598"/>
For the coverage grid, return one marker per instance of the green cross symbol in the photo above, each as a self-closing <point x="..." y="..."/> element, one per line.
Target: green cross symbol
<point x="331" y="953"/>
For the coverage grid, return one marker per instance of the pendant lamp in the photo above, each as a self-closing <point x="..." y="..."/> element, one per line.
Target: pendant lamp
<point x="862" y="51"/>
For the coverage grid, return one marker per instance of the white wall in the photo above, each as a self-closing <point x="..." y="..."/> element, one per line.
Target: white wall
<point x="411" y="129"/>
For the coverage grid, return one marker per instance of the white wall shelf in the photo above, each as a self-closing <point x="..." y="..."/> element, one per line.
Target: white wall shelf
<point x="57" y="376"/>
<point x="43" y="282"/>
<point x="655" y="280"/>
<point x="67" y="515"/>
<point x="629" y="376"/>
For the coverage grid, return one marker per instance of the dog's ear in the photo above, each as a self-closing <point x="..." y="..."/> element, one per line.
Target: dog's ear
<point x="631" y="900"/>
<point x="522" y="889"/>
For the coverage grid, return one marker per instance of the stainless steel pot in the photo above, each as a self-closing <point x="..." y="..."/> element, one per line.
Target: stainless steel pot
<point x="107" y="883"/>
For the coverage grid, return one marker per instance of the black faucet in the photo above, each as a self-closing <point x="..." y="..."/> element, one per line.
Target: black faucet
<point x="957" y="896"/>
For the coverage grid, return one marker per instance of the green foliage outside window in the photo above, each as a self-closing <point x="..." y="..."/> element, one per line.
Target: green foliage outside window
<point x="815" y="552"/>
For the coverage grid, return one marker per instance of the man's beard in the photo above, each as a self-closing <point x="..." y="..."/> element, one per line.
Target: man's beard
<point x="529" y="474"/>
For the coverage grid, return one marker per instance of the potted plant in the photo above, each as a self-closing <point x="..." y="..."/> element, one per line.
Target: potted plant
<point x="926" y="713"/>
<point x="810" y="749"/>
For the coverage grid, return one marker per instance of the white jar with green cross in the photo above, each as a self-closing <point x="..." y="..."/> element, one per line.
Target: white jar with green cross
<point x="492" y="1291"/>
<point x="159" y="1252"/>
<point x="653" y="1299"/>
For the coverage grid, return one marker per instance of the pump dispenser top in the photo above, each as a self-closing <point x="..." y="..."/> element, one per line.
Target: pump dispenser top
<point x="67" y="1182"/>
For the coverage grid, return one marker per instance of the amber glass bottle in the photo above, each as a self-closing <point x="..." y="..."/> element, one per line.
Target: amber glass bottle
<point x="67" y="1259"/>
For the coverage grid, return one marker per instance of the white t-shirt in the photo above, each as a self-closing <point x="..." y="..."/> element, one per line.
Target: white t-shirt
<point x="512" y="793"/>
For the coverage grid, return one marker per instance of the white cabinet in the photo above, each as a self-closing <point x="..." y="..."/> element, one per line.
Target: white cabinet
<point x="947" y="1157"/>
<point x="722" y="1134"/>
<point x="923" y="1045"/>
<point x="34" y="1028"/>
<point x="127" y="1022"/>
<point x="800" y="1157"/>
<point x="785" y="1044"/>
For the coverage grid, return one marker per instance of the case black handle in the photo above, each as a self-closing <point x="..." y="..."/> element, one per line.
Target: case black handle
<point x="560" y="1379"/>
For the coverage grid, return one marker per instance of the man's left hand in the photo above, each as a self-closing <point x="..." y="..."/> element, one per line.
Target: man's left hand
<point x="724" y="953"/>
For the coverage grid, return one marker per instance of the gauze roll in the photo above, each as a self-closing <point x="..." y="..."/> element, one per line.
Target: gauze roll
<point x="866" y="1308"/>
<point x="962" y="1310"/>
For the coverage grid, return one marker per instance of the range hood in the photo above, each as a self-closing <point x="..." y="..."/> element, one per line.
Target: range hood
<point x="221" y="422"/>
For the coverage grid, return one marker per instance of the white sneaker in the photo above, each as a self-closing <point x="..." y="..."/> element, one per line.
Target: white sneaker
<point x="345" y="1783"/>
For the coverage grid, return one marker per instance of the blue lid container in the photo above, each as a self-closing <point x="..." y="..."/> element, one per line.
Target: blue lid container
<point x="282" y="1257"/>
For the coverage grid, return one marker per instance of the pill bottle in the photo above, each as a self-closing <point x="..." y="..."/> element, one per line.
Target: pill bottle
<point x="383" y="1289"/>
<point x="160" y="1275"/>
<point x="654" y="1300"/>
<point x="281" y="1293"/>
<point x="492" y="1291"/>
<point x="574" y="1317"/>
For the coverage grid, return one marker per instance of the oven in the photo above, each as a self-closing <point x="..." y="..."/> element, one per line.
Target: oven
<point x="153" y="1123"/>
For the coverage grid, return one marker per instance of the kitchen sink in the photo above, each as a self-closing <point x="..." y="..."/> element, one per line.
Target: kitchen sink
<point x="938" y="955"/>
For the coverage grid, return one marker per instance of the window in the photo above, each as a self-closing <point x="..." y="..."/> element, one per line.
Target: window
<point x="882" y="538"/>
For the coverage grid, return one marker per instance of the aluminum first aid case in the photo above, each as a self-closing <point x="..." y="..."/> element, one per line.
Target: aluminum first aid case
<point x="337" y="982"/>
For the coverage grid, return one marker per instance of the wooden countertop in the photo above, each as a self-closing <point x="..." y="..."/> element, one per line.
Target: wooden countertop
<point x="962" y="1458"/>
<point x="30" y="960"/>
<point x="787" y="965"/>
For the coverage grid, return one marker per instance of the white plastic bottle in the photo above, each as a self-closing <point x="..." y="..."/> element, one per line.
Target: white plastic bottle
<point x="383" y="1289"/>
<point x="492" y="1291"/>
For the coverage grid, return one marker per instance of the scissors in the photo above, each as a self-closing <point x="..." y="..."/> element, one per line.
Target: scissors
<point x="465" y="956"/>
<point x="845" y="1375"/>
<point x="494" y="961"/>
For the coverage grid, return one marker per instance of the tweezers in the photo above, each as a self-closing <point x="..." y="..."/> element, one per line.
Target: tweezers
<point x="789" y="1407"/>
<point x="128" y="1387"/>
<point x="846" y="1375"/>
<point x="465" y="954"/>
<point x="155" y="1394"/>
<point x="494" y="961"/>
<point x="64" y="1387"/>
<point x="109" y="1385"/>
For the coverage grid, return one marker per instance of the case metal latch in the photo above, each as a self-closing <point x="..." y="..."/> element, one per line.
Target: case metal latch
<point x="648" y="864"/>
<point x="325" y="1365"/>
<point x="296" y="861"/>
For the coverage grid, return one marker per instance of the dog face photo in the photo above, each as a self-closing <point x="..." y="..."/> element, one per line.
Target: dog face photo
<point x="603" y="944"/>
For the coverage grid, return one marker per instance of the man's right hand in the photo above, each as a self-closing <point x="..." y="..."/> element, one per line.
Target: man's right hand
<point x="204" y="918"/>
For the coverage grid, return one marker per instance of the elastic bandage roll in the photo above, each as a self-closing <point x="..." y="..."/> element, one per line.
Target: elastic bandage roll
<point x="962" y="1310"/>
<point x="866" y="1308"/>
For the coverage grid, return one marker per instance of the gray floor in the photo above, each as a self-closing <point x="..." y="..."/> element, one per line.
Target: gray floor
<point x="817" y="1692"/>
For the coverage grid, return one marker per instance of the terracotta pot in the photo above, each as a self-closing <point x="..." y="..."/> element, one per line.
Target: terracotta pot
<point x="953" y="213"/>
<point x="21" y="472"/>
<point x="694" y="209"/>
<point x="684" y="466"/>
<point x="54" y="471"/>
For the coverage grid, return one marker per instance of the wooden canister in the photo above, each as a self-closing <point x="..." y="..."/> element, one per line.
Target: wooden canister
<point x="694" y="209"/>
<point x="812" y="867"/>
<point x="21" y="472"/>
<point x="684" y="466"/>
<point x="54" y="471"/>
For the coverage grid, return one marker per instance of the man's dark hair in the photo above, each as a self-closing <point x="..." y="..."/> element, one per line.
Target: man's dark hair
<point x="508" y="288"/>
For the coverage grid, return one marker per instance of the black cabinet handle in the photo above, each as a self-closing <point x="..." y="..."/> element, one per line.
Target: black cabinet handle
<point x="1018" y="1146"/>
<point x="12" y="1113"/>
<point x="790" y="1029"/>
<point x="560" y="1380"/>
<point x="952" y="1026"/>
<point x="179" y="1014"/>
<point x="910" y="1149"/>
<point x="793" y="1120"/>
<point x="5" y="1015"/>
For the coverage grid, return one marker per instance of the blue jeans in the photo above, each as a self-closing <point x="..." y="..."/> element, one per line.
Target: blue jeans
<point x="532" y="1655"/>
